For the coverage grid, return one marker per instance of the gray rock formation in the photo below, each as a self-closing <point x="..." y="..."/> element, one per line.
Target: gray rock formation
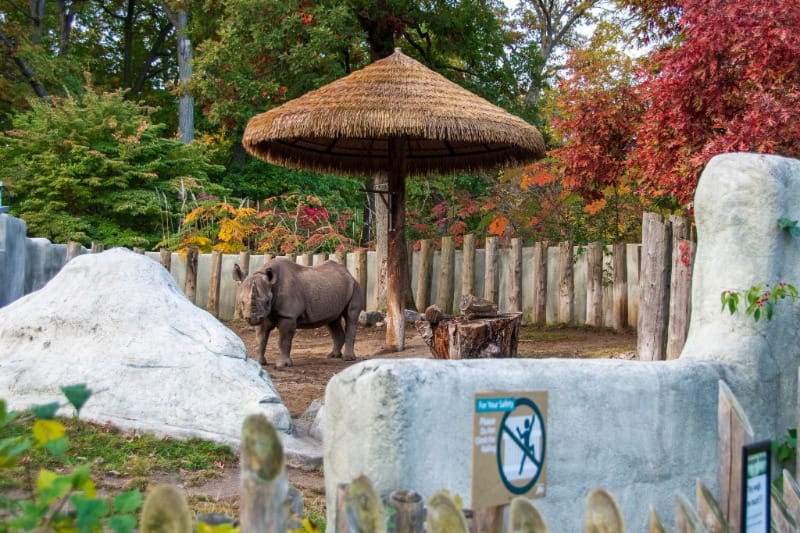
<point x="155" y="362"/>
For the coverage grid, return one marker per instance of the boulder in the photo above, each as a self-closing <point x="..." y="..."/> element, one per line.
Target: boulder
<point x="155" y="362"/>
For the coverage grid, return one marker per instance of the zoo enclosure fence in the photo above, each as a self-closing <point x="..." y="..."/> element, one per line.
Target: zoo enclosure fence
<point x="625" y="286"/>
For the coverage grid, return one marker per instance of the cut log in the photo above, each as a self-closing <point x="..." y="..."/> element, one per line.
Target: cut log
<point x="460" y="338"/>
<point x="474" y="307"/>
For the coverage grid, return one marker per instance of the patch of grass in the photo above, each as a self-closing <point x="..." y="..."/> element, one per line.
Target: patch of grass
<point x="109" y="450"/>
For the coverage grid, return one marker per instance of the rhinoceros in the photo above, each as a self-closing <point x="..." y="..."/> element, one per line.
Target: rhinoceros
<point x="284" y="295"/>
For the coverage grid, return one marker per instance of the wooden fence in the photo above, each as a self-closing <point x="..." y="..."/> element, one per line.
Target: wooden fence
<point x="264" y="501"/>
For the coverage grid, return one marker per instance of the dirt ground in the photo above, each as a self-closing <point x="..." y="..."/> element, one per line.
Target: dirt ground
<point x="301" y="384"/>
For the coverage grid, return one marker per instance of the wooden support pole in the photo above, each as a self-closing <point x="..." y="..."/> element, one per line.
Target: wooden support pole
<point x="190" y="283"/>
<point x="397" y="265"/>
<point x="214" y="283"/>
<point x="594" y="285"/>
<point x="262" y="478"/>
<point x="540" y="282"/>
<point x="166" y="258"/>
<point x="468" y="265"/>
<point x="620" y="265"/>
<point x="654" y="288"/>
<point x="734" y="431"/>
<point x="566" y="284"/>
<point x="424" y="274"/>
<point x="409" y="512"/>
<point x="447" y="257"/>
<point x="515" y="276"/>
<point x="490" y="272"/>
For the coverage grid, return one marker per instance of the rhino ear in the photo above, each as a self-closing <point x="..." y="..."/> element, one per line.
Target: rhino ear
<point x="271" y="275"/>
<point x="238" y="275"/>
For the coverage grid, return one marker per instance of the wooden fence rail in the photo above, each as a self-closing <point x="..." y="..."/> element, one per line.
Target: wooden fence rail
<point x="266" y="505"/>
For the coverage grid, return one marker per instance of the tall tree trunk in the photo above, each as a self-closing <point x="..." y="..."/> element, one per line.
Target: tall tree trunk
<point x="23" y="67"/>
<point x="37" y="18"/>
<point x="382" y="237"/>
<point x="186" y="104"/>
<point x="127" y="44"/>
<point x="66" y="17"/>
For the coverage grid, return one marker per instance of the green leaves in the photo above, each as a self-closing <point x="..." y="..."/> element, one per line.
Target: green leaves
<point x="77" y="395"/>
<point x="789" y="226"/>
<point x="760" y="299"/>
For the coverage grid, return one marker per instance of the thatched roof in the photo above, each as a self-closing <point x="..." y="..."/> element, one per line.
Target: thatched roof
<point x="344" y="127"/>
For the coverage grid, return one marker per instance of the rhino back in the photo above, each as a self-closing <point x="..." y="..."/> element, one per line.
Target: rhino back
<point x="314" y="295"/>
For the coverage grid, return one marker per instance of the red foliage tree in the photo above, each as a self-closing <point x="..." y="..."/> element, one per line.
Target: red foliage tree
<point x="731" y="82"/>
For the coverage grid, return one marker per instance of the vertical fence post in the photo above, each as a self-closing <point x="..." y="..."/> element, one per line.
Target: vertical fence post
<point x="654" y="288"/>
<point x="515" y="276"/>
<point x="444" y="292"/>
<point x="305" y="259"/>
<point x="360" y="268"/>
<point x="468" y="265"/>
<point x="214" y="282"/>
<point x="263" y="478"/>
<point x="620" y="267"/>
<point x="594" y="285"/>
<point x="340" y="256"/>
<point x="97" y="247"/>
<point x="734" y="431"/>
<point x="540" y="282"/>
<point x="566" y="283"/>
<point x="409" y="512"/>
<point x="423" y="296"/>
<point x="74" y="249"/>
<point x="166" y="258"/>
<point x="490" y="274"/>
<point x="190" y="284"/>
<point x="680" y="287"/>
<point x="244" y="265"/>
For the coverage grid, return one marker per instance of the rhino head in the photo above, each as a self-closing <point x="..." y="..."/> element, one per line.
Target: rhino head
<point x="255" y="294"/>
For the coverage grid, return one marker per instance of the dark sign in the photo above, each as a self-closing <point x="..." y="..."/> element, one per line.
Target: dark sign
<point x="755" y="487"/>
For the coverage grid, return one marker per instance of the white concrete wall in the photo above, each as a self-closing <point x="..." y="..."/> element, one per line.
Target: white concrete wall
<point x="641" y="430"/>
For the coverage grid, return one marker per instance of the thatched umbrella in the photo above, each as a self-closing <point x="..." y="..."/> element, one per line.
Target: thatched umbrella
<point x="399" y="117"/>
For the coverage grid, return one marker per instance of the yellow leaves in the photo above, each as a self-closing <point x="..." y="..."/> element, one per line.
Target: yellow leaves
<point x="45" y="431"/>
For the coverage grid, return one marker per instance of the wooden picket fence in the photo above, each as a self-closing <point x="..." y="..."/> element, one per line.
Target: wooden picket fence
<point x="265" y="505"/>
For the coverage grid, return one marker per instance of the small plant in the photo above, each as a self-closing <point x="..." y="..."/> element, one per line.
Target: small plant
<point x="760" y="299"/>
<point x="785" y="448"/>
<point x="58" y="502"/>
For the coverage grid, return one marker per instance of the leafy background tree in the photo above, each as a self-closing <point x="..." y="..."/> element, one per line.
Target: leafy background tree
<point x="97" y="168"/>
<point x="627" y="132"/>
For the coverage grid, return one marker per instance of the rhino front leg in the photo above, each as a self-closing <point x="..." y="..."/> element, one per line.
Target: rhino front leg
<point x="287" y="329"/>
<point x="262" y="336"/>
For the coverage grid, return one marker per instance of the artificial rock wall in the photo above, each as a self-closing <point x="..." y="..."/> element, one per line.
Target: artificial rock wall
<point x="643" y="430"/>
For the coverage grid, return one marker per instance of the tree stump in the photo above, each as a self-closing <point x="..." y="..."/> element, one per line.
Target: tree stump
<point x="461" y="338"/>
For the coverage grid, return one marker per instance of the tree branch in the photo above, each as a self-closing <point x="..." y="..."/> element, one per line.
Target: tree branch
<point x="26" y="71"/>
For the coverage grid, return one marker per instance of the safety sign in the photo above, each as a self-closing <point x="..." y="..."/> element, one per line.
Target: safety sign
<point x="509" y="446"/>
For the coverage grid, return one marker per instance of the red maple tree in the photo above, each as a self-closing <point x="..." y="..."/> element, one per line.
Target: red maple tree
<point x="730" y="82"/>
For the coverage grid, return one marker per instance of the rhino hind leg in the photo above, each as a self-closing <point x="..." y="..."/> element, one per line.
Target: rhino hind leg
<point x="351" y="326"/>
<point x="337" y="336"/>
